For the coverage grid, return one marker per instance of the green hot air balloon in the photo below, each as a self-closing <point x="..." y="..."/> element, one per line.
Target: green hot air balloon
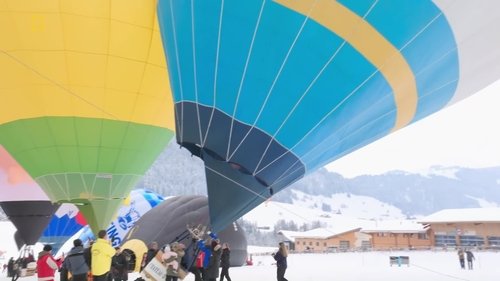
<point x="85" y="98"/>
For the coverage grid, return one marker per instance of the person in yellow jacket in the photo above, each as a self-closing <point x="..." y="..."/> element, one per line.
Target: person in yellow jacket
<point x="102" y="253"/>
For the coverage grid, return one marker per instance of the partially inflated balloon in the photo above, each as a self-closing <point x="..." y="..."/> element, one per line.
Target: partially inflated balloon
<point x="23" y="201"/>
<point x="137" y="204"/>
<point x="65" y="223"/>
<point x="85" y="101"/>
<point x="168" y="223"/>
<point x="268" y="91"/>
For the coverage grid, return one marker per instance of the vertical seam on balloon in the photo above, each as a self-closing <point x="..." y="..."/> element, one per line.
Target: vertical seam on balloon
<point x="93" y="186"/>
<point x="334" y="55"/>
<point x="67" y="75"/>
<point x="122" y="177"/>
<point x="274" y="83"/>
<point x="77" y="141"/>
<point x="216" y="73"/>
<point x="137" y="92"/>
<point x="84" y="184"/>
<point x="257" y="24"/>
<point x="282" y="176"/>
<point x="193" y="44"/>
<point x="59" y="185"/>
<point x="55" y="147"/>
<point x="101" y="121"/>
<point x="67" y="188"/>
<point x="172" y="19"/>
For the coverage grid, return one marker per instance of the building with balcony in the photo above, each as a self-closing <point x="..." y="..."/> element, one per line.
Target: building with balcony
<point x="476" y="227"/>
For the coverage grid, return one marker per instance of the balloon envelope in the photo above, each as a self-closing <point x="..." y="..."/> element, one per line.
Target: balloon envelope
<point x="23" y="201"/>
<point x="67" y="221"/>
<point x="85" y="97"/>
<point x="268" y="91"/>
<point x="168" y="221"/>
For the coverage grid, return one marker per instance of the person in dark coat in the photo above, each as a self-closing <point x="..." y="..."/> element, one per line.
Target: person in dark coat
<point x="212" y="271"/>
<point x="87" y="254"/>
<point x="281" y="263"/>
<point x="224" y="262"/>
<point x="75" y="262"/>
<point x="461" y="258"/>
<point x="16" y="269"/>
<point x="10" y="267"/>
<point x="119" y="266"/>
<point x="470" y="258"/>
<point x="151" y="253"/>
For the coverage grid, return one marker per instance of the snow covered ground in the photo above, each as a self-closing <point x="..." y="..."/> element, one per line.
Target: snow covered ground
<point x="424" y="265"/>
<point x="442" y="266"/>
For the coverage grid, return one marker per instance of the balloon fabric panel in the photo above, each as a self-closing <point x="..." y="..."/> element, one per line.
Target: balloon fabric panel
<point x="85" y="98"/>
<point x="267" y="91"/>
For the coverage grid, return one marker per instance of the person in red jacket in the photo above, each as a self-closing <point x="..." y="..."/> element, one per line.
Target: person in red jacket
<point x="46" y="265"/>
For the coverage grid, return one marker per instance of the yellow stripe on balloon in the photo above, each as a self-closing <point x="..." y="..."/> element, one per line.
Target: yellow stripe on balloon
<point x="92" y="58"/>
<point x="371" y="44"/>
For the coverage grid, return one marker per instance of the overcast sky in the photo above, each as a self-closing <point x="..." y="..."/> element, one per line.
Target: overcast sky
<point x="466" y="134"/>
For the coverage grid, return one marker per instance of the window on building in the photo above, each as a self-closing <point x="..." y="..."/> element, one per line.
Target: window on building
<point x="494" y="241"/>
<point x="366" y="244"/>
<point x="317" y="243"/>
<point x="471" y="240"/>
<point x="445" y="240"/>
<point x="310" y="243"/>
<point x="344" y="245"/>
<point x="423" y="236"/>
<point x="324" y="244"/>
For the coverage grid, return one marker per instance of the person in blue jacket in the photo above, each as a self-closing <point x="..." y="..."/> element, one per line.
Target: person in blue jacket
<point x="281" y="263"/>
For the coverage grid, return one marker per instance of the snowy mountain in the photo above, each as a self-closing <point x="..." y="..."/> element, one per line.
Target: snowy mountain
<point x="269" y="214"/>
<point x="176" y="172"/>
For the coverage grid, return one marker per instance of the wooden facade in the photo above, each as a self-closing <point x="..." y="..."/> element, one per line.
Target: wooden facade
<point x="387" y="240"/>
<point x="465" y="234"/>
<point x="345" y="241"/>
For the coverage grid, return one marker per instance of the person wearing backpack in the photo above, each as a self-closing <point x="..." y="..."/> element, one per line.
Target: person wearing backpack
<point x="75" y="262"/>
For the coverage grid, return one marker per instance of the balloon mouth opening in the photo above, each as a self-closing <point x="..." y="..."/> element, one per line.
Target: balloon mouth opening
<point x="197" y="150"/>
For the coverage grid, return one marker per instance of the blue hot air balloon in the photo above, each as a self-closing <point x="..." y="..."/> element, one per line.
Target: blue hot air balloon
<point x="267" y="91"/>
<point x="65" y="223"/>
<point x="68" y="221"/>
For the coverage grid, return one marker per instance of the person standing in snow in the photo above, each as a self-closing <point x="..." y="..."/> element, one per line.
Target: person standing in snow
<point x="46" y="265"/>
<point x="119" y="266"/>
<point x="470" y="258"/>
<point x="281" y="263"/>
<point x="212" y="271"/>
<point x="75" y="262"/>
<point x="224" y="262"/>
<point x="461" y="258"/>
<point x="101" y="255"/>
